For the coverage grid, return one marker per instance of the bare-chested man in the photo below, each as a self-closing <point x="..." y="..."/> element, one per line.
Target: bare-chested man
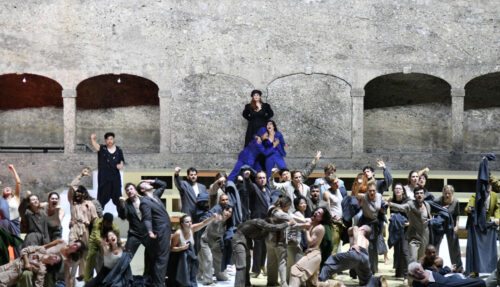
<point x="307" y="268"/>
<point x="356" y="258"/>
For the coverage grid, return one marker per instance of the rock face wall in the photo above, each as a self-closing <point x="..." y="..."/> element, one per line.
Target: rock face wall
<point x="414" y="128"/>
<point x="482" y="130"/>
<point x="137" y="129"/>
<point x="312" y="59"/>
<point x="206" y="114"/>
<point x="313" y="112"/>
<point x="32" y="127"/>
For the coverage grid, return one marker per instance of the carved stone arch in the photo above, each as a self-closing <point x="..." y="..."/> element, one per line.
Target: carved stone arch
<point x="206" y="114"/>
<point x="125" y="104"/>
<point x="482" y="113"/>
<point x="407" y="113"/>
<point x="313" y="112"/>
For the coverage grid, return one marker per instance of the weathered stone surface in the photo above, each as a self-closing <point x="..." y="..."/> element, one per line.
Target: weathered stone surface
<point x="32" y="127"/>
<point x="313" y="112"/>
<point x="251" y="43"/>
<point x="137" y="129"/>
<point x="415" y="128"/>
<point x="206" y="115"/>
<point x="482" y="130"/>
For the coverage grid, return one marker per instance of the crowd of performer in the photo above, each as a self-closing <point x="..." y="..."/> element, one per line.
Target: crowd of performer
<point x="261" y="219"/>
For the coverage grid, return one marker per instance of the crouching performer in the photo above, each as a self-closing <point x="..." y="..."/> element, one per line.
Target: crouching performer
<point x="356" y="258"/>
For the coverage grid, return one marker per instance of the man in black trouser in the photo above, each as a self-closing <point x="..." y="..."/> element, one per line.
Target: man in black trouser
<point x="259" y="196"/>
<point x="109" y="163"/>
<point x="129" y="209"/>
<point x="157" y="221"/>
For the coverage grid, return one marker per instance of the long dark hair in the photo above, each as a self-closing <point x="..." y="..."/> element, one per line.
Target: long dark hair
<point x="274" y="125"/>
<point x="253" y="103"/>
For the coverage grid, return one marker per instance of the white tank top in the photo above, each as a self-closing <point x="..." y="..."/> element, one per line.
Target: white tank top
<point x="111" y="259"/>
<point x="13" y="208"/>
<point x="336" y="203"/>
<point x="184" y="240"/>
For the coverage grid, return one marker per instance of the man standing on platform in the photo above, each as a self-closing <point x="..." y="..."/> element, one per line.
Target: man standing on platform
<point x="157" y="221"/>
<point x="109" y="163"/>
<point x="188" y="190"/>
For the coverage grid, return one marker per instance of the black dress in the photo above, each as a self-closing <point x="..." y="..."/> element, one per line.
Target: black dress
<point x="256" y="120"/>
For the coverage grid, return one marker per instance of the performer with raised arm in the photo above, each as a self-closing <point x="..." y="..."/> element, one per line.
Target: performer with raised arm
<point x="129" y="209"/>
<point x="382" y="184"/>
<point x="157" y="221"/>
<point x="188" y="189"/>
<point x="110" y="161"/>
<point x="9" y="205"/>
<point x="83" y="213"/>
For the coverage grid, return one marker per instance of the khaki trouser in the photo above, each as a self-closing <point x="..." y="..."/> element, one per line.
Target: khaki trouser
<point x="306" y="269"/>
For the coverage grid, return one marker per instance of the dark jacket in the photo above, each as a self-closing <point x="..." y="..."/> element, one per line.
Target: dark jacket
<point x="121" y="274"/>
<point x="135" y="226"/>
<point x="154" y="213"/>
<point x="256" y="120"/>
<point x="188" y="196"/>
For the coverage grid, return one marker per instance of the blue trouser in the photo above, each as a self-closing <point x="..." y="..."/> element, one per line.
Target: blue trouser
<point x="272" y="160"/>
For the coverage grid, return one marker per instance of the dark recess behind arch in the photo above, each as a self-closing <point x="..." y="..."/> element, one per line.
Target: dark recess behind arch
<point x="103" y="91"/>
<point x="38" y="91"/>
<point x="400" y="89"/>
<point x="483" y="92"/>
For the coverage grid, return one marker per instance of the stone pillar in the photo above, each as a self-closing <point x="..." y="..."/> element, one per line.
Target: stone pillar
<point x="457" y="119"/>
<point x="165" y="96"/>
<point x="358" y="97"/>
<point x="69" y="111"/>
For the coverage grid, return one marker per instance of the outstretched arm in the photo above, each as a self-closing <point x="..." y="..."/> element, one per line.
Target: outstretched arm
<point x="18" y="181"/>
<point x="197" y="226"/>
<point x="94" y="143"/>
<point x="310" y="167"/>
<point x="76" y="182"/>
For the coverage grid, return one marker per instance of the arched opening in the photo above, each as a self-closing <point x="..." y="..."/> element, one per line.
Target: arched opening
<point x="482" y="113"/>
<point x="407" y="113"/>
<point x="127" y="105"/>
<point x="31" y="114"/>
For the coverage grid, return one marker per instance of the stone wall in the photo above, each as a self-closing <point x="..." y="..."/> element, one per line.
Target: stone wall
<point x="137" y="129"/>
<point x="312" y="59"/>
<point x="414" y="128"/>
<point x="32" y="127"/>
<point x="482" y="130"/>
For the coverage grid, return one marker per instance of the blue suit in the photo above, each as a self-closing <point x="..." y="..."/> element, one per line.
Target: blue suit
<point x="275" y="155"/>
<point x="248" y="157"/>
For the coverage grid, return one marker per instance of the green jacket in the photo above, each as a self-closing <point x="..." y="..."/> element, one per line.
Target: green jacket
<point x="96" y="230"/>
<point x="494" y="208"/>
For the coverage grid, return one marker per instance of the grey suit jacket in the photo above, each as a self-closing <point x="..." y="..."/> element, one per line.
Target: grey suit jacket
<point x="419" y="225"/>
<point x="188" y="196"/>
<point x="154" y="214"/>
